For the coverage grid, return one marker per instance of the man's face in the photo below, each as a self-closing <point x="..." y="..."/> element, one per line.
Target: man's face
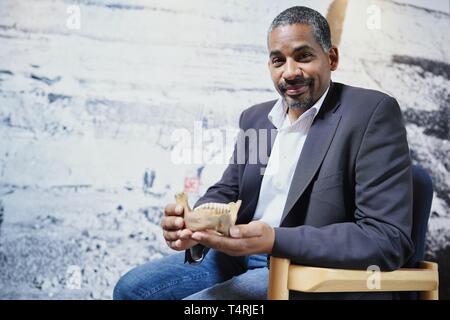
<point x="299" y="67"/>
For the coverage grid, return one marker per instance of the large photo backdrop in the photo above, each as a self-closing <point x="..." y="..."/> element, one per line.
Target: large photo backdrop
<point x="92" y="91"/>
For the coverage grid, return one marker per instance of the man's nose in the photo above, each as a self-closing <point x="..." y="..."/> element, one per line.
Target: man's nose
<point x="292" y="70"/>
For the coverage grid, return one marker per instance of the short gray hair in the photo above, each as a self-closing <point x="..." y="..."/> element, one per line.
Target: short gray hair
<point x="308" y="16"/>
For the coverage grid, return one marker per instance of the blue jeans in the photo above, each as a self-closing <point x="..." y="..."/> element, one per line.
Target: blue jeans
<point x="218" y="277"/>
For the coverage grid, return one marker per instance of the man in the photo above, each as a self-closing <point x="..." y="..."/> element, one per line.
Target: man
<point x="337" y="191"/>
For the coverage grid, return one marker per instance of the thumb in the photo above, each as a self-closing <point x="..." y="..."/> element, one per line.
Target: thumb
<point x="253" y="229"/>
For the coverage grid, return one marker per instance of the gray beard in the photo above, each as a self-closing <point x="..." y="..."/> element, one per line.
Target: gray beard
<point x="300" y="104"/>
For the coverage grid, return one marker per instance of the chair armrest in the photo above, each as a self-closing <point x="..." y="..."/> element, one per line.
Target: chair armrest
<point x="313" y="279"/>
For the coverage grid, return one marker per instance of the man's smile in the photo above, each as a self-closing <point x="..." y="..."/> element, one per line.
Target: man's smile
<point x="296" y="90"/>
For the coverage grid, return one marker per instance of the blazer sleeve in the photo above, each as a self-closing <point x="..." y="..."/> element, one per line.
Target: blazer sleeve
<point x="224" y="191"/>
<point x="380" y="234"/>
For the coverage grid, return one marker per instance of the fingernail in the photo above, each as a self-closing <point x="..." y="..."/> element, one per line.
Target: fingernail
<point x="178" y="208"/>
<point x="179" y="222"/>
<point x="234" y="232"/>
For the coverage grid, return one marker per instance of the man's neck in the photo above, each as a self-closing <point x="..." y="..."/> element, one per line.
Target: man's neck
<point x="295" y="113"/>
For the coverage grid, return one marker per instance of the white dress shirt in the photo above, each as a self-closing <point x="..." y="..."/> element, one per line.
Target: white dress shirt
<point x="283" y="160"/>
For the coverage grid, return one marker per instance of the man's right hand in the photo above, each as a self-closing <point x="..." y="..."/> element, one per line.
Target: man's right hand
<point x="174" y="231"/>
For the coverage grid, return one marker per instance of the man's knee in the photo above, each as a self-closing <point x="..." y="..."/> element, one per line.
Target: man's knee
<point x="123" y="289"/>
<point x="134" y="284"/>
<point x="149" y="281"/>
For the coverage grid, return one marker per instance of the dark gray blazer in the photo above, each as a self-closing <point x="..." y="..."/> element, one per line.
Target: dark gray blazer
<point x="350" y="201"/>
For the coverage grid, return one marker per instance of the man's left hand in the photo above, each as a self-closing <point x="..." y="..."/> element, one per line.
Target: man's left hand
<point x="245" y="239"/>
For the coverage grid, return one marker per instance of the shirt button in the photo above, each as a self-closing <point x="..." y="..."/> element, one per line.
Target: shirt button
<point x="278" y="184"/>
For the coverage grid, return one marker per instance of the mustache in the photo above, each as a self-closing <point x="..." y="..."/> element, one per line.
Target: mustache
<point x="300" y="81"/>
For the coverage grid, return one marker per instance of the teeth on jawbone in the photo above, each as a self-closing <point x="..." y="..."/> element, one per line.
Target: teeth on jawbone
<point x="218" y="207"/>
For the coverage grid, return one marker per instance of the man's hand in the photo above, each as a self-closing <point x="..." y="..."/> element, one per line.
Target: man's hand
<point x="255" y="237"/>
<point x="177" y="237"/>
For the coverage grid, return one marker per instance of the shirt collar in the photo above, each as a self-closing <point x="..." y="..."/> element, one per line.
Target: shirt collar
<point x="279" y="111"/>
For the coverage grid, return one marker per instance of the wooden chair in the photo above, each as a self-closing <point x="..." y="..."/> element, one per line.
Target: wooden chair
<point x="422" y="278"/>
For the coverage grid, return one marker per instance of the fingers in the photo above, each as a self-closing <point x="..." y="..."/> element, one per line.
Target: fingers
<point x="215" y="240"/>
<point x="180" y="244"/>
<point x="171" y="223"/>
<point x="179" y="239"/>
<point x="253" y="229"/>
<point x="171" y="235"/>
<point x="255" y="237"/>
<point x="173" y="209"/>
<point x="185" y="234"/>
<point x="230" y="246"/>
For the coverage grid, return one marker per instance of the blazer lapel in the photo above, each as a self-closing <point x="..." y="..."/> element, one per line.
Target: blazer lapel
<point x="315" y="148"/>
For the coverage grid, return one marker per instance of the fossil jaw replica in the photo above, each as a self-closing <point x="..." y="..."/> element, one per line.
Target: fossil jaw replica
<point x="216" y="216"/>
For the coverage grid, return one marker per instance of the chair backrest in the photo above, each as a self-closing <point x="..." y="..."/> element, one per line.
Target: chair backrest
<point x="422" y="197"/>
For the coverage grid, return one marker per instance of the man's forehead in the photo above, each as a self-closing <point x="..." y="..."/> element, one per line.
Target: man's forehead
<point x="293" y="37"/>
<point x="291" y="31"/>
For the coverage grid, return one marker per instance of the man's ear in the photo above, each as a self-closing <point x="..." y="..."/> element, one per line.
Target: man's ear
<point x="333" y="56"/>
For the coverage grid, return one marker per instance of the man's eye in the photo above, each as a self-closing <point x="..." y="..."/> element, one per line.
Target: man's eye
<point x="305" y="56"/>
<point x="277" y="62"/>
